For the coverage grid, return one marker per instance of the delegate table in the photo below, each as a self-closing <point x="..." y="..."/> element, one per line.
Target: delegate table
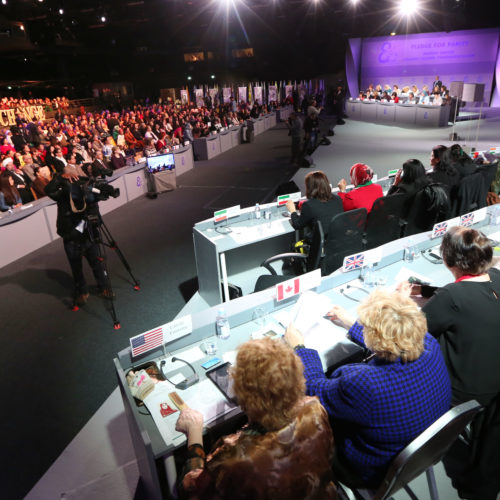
<point x="259" y="312"/>
<point x="235" y="254"/>
<point x="423" y="115"/>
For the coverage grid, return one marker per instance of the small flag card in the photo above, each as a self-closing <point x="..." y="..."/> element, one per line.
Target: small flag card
<point x="352" y="262"/>
<point x="146" y="341"/>
<point x="227" y="213"/>
<point x="439" y="229"/>
<point x="295" y="286"/>
<point x="282" y="199"/>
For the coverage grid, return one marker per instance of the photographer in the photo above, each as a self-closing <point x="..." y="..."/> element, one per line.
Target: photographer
<point x="294" y="125"/>
<point x="76" y="206"/>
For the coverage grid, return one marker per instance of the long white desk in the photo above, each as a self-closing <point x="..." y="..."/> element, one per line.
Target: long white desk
<point x="235" y="257"/>
<point x="423" y="115"/>
<point x="148" y="443"/>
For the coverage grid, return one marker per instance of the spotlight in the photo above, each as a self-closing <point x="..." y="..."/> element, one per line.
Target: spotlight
<point x="4" y="2"/>
<point x="408" y="7"/>
<point x="189" y="77"/>
<point x="392" y="33"/>
<point x="61" y="11"/>
<point x="21" y="27"/>
<point x="354" y="2"/>
<point x="212" y="77"/>
<point x="40" y="1"/>
<point x="103" y="19"/>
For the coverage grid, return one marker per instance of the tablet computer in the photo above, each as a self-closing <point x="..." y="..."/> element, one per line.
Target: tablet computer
<point x="224" y="382"/>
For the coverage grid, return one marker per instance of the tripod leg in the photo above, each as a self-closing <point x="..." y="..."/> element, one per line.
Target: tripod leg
<point x="114" y="246"/>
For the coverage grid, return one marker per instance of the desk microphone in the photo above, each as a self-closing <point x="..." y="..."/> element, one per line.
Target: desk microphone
<point x="187" y="382"/>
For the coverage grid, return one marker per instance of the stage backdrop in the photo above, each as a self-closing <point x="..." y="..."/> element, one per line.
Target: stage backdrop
<point x="469" y="56"/>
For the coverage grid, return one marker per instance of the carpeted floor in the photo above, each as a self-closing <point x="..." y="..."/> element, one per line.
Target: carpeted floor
<point x="57" y="364"/>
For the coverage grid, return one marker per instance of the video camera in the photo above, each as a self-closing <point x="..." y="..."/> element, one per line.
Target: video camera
<point x="96" y="183"/>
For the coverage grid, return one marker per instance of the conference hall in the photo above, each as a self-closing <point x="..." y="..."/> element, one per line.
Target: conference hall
<point x="250" y="249"/>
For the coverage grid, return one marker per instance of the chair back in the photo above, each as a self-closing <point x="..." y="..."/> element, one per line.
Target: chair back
<point x="316" y="247"/>
<point x="430" y="205"/>
<point x="489" y="173"/>
<point x="471" y="195"/>
<point x="345" y="237"/>
<point x="427" y="449"/>
<point x="383" y="221"/>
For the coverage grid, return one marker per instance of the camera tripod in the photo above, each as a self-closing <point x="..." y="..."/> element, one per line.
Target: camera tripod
<point x="100" y="235"/>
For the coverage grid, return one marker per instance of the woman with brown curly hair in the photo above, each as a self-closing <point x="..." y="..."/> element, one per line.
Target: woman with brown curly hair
<point x="285" y="450"/>
<point x="378" y="407"/>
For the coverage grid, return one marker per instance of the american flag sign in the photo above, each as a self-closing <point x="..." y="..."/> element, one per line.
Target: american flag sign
<point x="467" y="219"/>
<point x="439" y="229"/>
<point x="354" y="262"/>
<point x="146" y="341"/>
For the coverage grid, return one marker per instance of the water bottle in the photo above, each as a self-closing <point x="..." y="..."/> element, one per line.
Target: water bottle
<point x="222" y="324"/>
<point x="409" y="252"/>
<point x="257" y="211"/>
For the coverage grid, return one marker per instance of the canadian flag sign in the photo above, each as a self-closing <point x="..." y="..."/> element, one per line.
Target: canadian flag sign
<point x="287" y="289"/>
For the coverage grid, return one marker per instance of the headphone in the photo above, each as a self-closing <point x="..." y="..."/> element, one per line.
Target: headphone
<point x="187" y="382"/>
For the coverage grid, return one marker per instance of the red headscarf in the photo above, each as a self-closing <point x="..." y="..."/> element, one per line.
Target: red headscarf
<point x="360" y="174"/>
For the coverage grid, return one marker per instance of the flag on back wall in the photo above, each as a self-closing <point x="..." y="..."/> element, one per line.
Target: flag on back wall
<point x="146" y="341"/>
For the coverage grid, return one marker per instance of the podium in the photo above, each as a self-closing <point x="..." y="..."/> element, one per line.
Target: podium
<point x="161" y="182"/>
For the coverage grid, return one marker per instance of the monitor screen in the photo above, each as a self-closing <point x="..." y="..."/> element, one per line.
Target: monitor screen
<point x="160" y="163"/>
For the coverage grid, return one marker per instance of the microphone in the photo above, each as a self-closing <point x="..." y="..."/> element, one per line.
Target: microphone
<point x="187" y="382"/>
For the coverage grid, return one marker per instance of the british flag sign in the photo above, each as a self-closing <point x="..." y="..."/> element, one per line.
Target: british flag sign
<point x="467" y="219"/>
<point x="439" y="229"/>
<point x="352" y="262"/>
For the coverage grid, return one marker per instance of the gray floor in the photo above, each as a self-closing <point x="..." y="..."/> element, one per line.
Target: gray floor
<point x="99" y="462"/>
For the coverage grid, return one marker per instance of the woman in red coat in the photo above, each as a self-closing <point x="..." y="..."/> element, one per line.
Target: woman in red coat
<point x="364" y="193"/>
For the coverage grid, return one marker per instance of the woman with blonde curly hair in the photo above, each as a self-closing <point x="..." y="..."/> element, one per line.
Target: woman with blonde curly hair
<point x="285" y="450"/>
<point x="379" y="406"/>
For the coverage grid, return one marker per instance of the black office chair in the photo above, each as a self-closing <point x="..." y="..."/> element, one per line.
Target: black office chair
<point x="311" y="261"/>
<point x="489" y="173"/>
<point x="430" y="205"/>
<point x="420" y="455"/>
<point x="383" y="223"/>
<point x="345" y="237"/>
<point x="470" y="195"/>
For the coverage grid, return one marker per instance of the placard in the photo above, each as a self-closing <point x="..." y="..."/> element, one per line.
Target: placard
<point x="272" y="94"/>
<point x="227" y="213"/>
<point x="297" y="285"/>
<point x="361" y="259"/>
<point x="242" y="94"/>
<point x="177" y="328"/>
<point x="283" y="198"/>
<point x="226" y="94"/>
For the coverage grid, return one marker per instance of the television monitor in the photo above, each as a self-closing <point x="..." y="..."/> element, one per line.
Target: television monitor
<point x="160" y="163"/>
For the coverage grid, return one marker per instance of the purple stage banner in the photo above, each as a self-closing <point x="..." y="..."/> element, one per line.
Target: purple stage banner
<point x="469" y="56"/>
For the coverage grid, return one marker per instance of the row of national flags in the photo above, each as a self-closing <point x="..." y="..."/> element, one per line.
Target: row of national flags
<point x="282" y="88"/>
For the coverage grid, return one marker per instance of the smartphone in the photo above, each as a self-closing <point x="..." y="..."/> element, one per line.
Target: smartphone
<point x="211" y="363"/>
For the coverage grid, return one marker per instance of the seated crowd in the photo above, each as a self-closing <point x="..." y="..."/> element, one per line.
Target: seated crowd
<point x="437" y="95"/>
<point x="49" y="104"/>
<point x="31" y="152"/>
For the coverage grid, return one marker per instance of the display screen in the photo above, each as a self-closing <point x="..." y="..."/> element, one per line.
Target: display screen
<point x="222" y="379"/>
<point x="160" y="163"/>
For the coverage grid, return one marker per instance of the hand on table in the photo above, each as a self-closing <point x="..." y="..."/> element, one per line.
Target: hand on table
<point x="338" y="313"/>
<point x="293" y="337"/>
<point x="189" y="420"/>
<point x="407" y="288"/>
<point x="290" y="206"/>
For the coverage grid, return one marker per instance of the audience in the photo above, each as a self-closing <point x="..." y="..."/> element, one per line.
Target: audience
<point x="9" y="195"/>
<point x="443" y="172"/>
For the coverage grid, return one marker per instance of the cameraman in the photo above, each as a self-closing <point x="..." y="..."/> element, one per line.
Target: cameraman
<point x="75" y="203"/>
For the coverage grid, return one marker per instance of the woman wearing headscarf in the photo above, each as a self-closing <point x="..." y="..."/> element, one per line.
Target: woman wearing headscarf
<point x="364" y="193"/>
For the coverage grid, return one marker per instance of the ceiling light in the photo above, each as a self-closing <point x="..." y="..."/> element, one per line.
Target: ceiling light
<point x="212" y="77"/>
<point x="189" y="77"/>
<point x="21" y="27"/>
<point x="408" y="7"/>
<point x="4" y="2"/>
<point x="61" y="11"/>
